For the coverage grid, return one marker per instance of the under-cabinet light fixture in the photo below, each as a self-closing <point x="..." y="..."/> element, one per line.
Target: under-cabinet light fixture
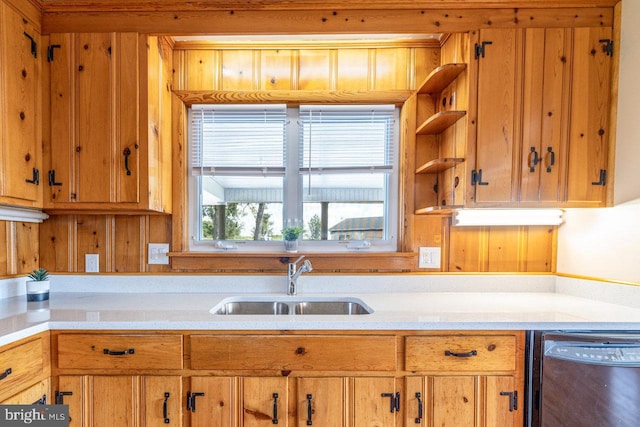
<point x="8" y="213"/>
<point x="488" y="217"/>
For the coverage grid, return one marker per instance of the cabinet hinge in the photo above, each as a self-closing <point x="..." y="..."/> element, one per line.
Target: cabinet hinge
<point x="479" y="49"/>
<point x="513" y="399"/>
<point x="476" y="178"/>
<point x="59" y="396"/>
<point x="607" y="46"/>
<point x="50" y="51"/>
<point x="34" y="45"/>
<point x="603" y="178"/>
<point x="191" y="400"/>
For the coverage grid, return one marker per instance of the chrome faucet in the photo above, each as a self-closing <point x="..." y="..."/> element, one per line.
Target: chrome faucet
<point x="295" y="272"/>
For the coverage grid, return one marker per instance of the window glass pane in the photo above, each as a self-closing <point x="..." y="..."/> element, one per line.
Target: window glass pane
<point x="344" y="206"/>
<point x="241" y="208"/>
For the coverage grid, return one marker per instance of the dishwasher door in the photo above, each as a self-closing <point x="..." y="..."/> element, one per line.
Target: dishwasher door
<point x="590" y="381"/>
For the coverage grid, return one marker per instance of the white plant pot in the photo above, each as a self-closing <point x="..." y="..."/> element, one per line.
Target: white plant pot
<point x="37" y="290"/>
<point x="291" y="246"/>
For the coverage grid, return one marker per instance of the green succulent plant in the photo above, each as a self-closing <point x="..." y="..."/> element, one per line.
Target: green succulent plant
<point x="291" y="233"/>
<point x="39" y="275"/>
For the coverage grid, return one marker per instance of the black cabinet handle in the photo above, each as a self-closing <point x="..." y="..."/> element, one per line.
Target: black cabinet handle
<point x="309" y="410"/>
<point x="603" y="178"/>
<point x="5" y="374"/>
<point x="127" y="153"/>
<point x="420" y="409"/>
<point x="476" y="178"/>
<point x="533" y="159"/>
<point x="118" y="353"/>
<point x="468" y="354"/>
<point x="35" y="180"/>
<point x="513" y="399"/>
<point x="41" y="401"/>
<point x="165" y="409"/>
<point x="59" y="396"/>
<point x="552" y="158"/>
<point x="274" y="420"/>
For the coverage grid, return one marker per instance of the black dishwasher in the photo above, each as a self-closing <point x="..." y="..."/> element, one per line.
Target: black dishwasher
<point x="584" y="379"/>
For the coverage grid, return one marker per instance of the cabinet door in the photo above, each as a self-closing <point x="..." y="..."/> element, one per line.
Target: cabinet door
<point x="544" y="114"/>
<point x="372" y="402"/>
<point x="162" y="398"/>
<point x="264" y="401"/>
<point x="113" y="400"/>
<point x="321" y="402"/>
<point x="21" y="52"/>
<point x="589" y="117"/>
<point x="95" y="117"/>
<point x="501" y="406"/>
<point x="498" y="95"/>
<point x="71" y="391"/>
<point x="454" y="401"/>
<point x="216" y="405"/>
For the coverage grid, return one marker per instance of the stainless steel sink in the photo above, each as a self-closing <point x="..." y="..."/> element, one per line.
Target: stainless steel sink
<point x="289" y="306"/>
<point x="253" y="307"/>
<point x="330" y="307"/>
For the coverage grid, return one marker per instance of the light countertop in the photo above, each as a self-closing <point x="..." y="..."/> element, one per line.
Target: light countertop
<point x="406" y="303"/>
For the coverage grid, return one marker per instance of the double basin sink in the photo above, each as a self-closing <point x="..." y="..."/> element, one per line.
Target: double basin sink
<point x="291" y="306"/>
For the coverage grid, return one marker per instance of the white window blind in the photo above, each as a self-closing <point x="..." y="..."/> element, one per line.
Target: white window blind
<point x="339" y="139"/>
<point x="238" y="140"/>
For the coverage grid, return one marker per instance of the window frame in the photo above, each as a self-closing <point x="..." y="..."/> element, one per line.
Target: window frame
<point x="293" y="201"/>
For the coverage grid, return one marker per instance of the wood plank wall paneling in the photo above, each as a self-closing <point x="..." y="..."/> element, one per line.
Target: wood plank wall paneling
<point x="119" y="240"/>
<point x="19" y="247"/>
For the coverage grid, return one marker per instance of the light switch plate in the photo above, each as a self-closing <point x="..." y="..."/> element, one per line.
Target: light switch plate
<point x="158" y="253"/>
<point x="92" y="263"/>
<point x="429" y="257"/>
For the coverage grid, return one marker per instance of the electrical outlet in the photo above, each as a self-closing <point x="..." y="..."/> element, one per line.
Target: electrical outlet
<point x="158" y="253"/>
<point x="92" y="263"/>
<point x="429" y="257"/>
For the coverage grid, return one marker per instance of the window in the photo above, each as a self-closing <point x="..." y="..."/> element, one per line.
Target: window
<point x="258" y="168"/>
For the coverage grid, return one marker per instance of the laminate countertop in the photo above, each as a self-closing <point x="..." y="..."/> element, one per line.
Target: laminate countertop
<point x="407" y="303"/>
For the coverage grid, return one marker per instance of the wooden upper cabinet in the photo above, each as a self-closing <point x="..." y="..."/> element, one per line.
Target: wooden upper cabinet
<point x="110" y="103"/>
<point x="21" y="179"/>
<point x="542" y="117"/>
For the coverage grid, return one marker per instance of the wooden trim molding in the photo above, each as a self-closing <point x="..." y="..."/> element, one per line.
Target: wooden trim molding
<point x="276" y="262"/>
<point x="396" y="97"/>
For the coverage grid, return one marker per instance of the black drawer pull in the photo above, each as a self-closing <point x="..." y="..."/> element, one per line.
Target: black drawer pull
<point x="420" y="408"/>
<point x="274" y="420"/>
<point x="119" y="353"/>
<point x="165" y="409"/>
<point x="309" y="410"/>
<point x="5" y="374"/>
<point x="468" y="354"/>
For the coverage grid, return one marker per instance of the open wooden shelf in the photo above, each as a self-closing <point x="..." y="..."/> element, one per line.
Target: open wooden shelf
<point x="438" y="165"/>
<point x="440" y="78"/>
<point x="439" y="122"/>
<point x="437" y="210"/>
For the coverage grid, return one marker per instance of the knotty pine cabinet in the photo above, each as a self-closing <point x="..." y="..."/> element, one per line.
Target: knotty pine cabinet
<point x="110" y="124"/>
<point x="325" y="378"/>
<point x="25" y="370"/>
<point x="543" y="125"/>
<point x="20" y="107"/>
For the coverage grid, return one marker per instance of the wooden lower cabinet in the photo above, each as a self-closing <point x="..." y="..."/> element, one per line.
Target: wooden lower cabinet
<point x="36" y="394"/>
<point x="122" y="400"/>
<point x="423" y="378"/>
<point x="462" y="400"/>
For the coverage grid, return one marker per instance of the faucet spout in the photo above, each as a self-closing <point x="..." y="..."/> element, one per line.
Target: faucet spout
<point x="294" y="272"/>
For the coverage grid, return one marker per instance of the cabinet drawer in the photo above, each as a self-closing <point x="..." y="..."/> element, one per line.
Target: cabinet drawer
<point x="308" y="353"/>
<point x="89" y="351"/>
<point x="468" y="353"/>
<point x="20" y="366"/>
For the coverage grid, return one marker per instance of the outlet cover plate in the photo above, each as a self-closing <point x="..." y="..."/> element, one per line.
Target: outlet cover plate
<point x="92" y="263"/>
<point x="429" y="257"/>
<point x="158" y="253"/>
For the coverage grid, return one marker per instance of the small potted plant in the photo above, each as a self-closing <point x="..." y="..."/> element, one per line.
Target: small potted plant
<point x="290" y="237"/>
<point x="38" y="286"/>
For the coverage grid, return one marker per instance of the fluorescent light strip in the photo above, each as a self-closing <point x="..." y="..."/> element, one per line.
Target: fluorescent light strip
<point x="504" y="217"/>
<point x="21" y="215"/>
